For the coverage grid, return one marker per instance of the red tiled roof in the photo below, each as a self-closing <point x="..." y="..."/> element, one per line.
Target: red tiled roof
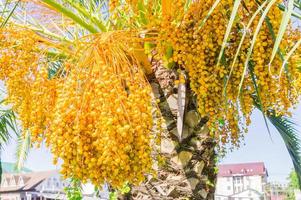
<point x="246" y="169"/>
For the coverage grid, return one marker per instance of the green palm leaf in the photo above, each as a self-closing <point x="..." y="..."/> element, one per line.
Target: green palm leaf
<point x="71" y="14"/>
<point x="253" y="41"/>
<point x="284" y="24"/>
<point x="7" y="123"/>
<point x="229" y="27"/>
<point x="23" y="148"/>
<point x="10" y="13"/>
<point x="286" y="128"/>
<point x="289" y="54"/>
<point x="290" y="137"/>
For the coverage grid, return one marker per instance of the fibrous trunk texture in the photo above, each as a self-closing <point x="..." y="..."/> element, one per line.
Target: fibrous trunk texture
<point x="189" y="169"/>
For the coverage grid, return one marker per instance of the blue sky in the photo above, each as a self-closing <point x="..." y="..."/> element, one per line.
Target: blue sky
<point x="258" y="147"/>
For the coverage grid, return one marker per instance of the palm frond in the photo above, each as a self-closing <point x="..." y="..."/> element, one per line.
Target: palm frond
<point x="70" y="14"/>
<point x="242" y="41"/>
<point x="55" y="68"/>
<point x="253" y="41"/>
<point x="290" y="137"/>
<point x="10" y="13"/>
<point x="0" y="167"/>
<point x="283" y="26"/>
<point x="23" y="148"/>
<point x="295" y="14"/>
<point x="202" y="23"/>
<point x="229" y="27"/>
<point x="286" y="128"/>
<point x="258" y="98"/>
<point x="7" y="123"/>
<point x="289" y="54"/>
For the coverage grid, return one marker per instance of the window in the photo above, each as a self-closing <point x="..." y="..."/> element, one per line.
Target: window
<point x="238" y="184"/>
<point x="228" y="179"/>
<point x="237" y="179"/>
<point x="48" y="183"/>
<point x="229" y="187"/>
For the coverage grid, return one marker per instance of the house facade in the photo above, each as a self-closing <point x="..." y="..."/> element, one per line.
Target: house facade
<point x="46" y="185"/>
<point x="276" y="191"/>
<point x="32" y="186"/>
<point x="245" y="181"/>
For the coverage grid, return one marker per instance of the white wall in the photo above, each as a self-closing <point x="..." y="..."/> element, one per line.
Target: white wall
<point x="226" y="186"/>
<point x="247" y="195"/>
<point x="256" y="183"/>
<point x="53" y="183"/>
<point x="12" y="196"/>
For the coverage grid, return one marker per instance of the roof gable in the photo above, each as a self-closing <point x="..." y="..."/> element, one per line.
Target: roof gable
<point x="21" y="181"/>
<point x="30" y="180"/>
<point x="4" y="182"/>
<point x="243" y="169"/>
<point x="12" y="181"/>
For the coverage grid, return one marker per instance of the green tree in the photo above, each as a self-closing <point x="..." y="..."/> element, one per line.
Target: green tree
<point x="293" y="185"/>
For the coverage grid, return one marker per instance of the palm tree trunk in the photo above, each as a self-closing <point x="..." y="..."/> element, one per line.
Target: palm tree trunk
<point x="189" y="171"/>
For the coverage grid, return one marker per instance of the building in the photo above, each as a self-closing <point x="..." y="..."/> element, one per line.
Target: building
<point x="276" y="191"/>
<point x="32" y="186"/>
<point x="46" y="185"/>
<point x="245" y="181"/>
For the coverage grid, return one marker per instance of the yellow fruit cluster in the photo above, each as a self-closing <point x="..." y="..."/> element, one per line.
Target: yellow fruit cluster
<point x="104" y="133"/>
<point x="185" y="41"/>
<point x="96" y="112"/>
<point x="29" y="90"/>
<point x="95" y="115"/>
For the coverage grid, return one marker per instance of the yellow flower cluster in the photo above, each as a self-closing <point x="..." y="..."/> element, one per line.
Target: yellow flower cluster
<point x="95" y="114"/>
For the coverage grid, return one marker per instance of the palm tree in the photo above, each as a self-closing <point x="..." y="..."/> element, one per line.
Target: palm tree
<point x="7" y="124"/>
<point x="188" y="147"/>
